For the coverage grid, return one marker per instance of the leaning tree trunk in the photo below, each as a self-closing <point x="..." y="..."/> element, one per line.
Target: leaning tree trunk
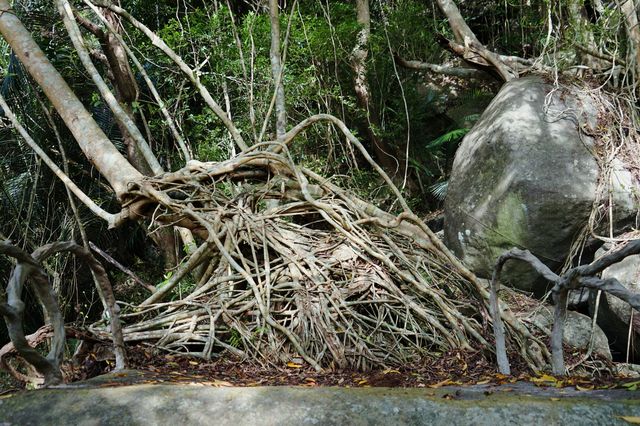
<point x="91" y="139"/>
<point x="127" y="93"/>
<point x="126" y="90"/>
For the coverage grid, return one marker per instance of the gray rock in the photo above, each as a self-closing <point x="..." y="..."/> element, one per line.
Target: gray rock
<point x="525" y="177"/>
<point x="614" y="314"/>
<point x="517" y="404"/>
<point x="631" y="371"/>
<point x="577" y="331"/>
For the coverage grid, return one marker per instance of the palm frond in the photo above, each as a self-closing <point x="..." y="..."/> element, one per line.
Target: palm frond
<point x="439" y="190"/>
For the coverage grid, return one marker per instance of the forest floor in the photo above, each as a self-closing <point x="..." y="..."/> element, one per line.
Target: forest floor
<point x="451" y="369"/>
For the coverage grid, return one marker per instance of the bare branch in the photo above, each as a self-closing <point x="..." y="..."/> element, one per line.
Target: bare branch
<point x="613" y="287"/>
<point x="102" y="279"/>
<point x="601" y="55"/>
<point x="13" y="310"/>
<point x="498" y="328"/>
<point x="604" y="262"/>
<point x="291" y="134"/>
<point x="121" y="267"/>
<point x="468" y="46"/>
<point x="163" y="108"/>
<point x="441" y="69"/>
<point x="91" y="139"/>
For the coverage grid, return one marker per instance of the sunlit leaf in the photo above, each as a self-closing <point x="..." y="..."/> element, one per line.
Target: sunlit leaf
<point x="630" y="419"/>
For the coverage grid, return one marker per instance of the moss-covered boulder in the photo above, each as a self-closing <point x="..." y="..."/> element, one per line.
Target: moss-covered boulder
<point x="526" y="176"/>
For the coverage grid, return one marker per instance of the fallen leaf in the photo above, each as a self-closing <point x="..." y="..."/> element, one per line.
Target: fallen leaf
<point x="483" y="382"/>
<point x="293" y="365"/>
<point x="389" y="371"/>
<point x="545" y="378"/>
<point x="584" y="388"/>
<point x="441" y="384"/>
<point x="632" y="386"/>
<point x="193" y="362"/>
<point x="218" y="384"/>
<point x="630" y="419"/>
<point x="362" y="382"/>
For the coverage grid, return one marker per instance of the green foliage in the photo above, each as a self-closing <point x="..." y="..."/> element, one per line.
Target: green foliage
<point x="235" y="338"/>
<point x="455" y="135"/>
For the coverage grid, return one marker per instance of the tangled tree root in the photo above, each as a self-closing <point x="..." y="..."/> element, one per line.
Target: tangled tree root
<point x="292" y="266"/>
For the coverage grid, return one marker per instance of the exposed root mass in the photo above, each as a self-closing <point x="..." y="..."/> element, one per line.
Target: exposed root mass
<point x="291" y="266"/>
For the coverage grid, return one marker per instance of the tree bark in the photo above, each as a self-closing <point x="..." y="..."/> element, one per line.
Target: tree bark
<point x="469" y="47"/>
<point x="189" y="72"/>
<point x="441" y="69"/>
<point x="584" y="38"/>
<point x="628" y="9"/>
<point x="141" y="155"/>
<point x="126" y="90"/>
<point x="382" y="150"/>
<point x="277" y="69"/>
<point x="91" y="139"/>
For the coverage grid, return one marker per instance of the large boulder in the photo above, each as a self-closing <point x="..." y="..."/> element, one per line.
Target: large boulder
<point x="577" y="331"/>
<point x="525" y="176"/>
<point x="614" y="315"/>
